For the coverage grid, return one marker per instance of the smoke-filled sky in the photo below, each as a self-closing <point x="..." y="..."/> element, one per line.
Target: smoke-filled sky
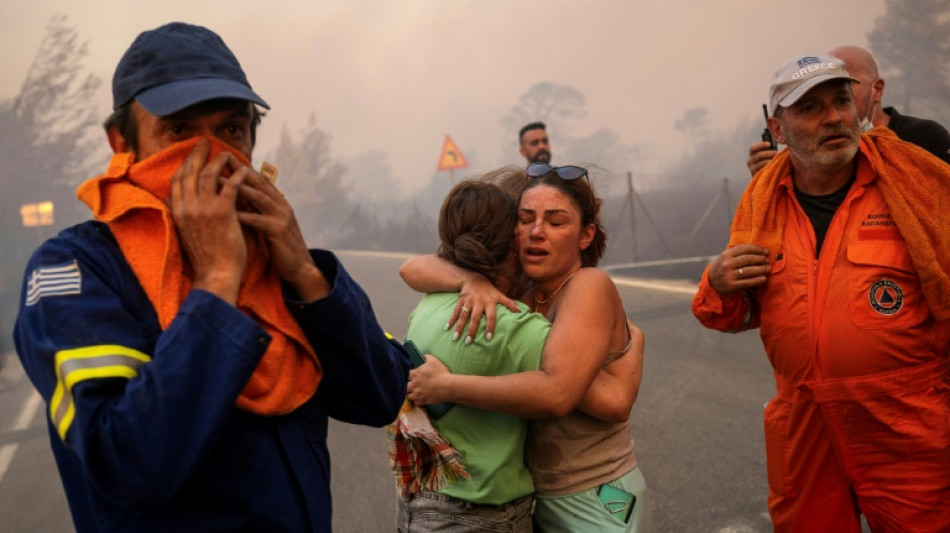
<point x="398" y="75"/>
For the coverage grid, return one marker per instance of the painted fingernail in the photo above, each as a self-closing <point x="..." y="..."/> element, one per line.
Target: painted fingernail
<point x="447" y="326"/>
<point x="455" y="336"/>
<point x="468" y="340"/>
<point x="488" y="336"/>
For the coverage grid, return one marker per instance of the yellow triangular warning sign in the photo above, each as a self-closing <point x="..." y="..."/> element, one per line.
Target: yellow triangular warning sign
<point x="451" y="156"/>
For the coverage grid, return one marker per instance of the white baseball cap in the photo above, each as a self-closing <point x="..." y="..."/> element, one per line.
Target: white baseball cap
<point x="798" y="75"/>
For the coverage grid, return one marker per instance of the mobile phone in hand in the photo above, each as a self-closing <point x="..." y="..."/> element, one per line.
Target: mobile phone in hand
<point x="435" y="410"/>
<point x="415" y="356"/>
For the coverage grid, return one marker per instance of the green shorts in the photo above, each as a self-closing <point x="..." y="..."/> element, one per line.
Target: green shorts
<point x="583" y="510"/>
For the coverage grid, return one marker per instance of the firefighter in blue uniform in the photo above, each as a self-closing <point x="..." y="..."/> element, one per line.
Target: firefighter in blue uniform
<point x="190" y="348"/>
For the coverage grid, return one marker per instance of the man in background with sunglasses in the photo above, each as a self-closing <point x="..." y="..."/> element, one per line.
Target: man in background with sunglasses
<point x="839" y="253"/>
<point x="535" y="147"/>
<point x="190" y="347"/>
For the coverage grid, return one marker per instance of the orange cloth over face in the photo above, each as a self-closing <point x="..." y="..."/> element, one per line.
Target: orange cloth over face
<point x="130" y="198"/>
<point x="916" y="187"/>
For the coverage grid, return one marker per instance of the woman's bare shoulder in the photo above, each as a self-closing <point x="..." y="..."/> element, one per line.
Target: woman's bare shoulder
<point x="594" y="277"/>
<point x="592" y="284"/>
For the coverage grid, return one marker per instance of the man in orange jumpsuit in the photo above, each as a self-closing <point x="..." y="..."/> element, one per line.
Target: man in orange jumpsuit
<point x="839" y="254"/>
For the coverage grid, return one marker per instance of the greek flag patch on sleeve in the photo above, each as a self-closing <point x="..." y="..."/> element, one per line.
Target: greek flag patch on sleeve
<point x="56" y="280"/>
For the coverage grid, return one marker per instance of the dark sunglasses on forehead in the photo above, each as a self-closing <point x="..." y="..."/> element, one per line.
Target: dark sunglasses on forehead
<point x="569" y="172"/>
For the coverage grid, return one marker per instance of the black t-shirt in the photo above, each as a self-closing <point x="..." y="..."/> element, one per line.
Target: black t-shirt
<point x="821" y="209"/>
<point x="926" y="134"/>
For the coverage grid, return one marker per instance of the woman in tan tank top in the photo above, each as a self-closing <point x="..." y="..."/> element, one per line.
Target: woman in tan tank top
<point x="580" y="451"/>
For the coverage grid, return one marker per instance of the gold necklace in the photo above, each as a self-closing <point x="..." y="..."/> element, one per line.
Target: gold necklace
<point x="539" y="301"/>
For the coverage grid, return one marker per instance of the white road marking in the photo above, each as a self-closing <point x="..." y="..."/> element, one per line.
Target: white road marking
<point x="7" y="451"/>
<point x="681" y="287"/>
<point x="27" y="412"/>
<point x="369" y="253"/>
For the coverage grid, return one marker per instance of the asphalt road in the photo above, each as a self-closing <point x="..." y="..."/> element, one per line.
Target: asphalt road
<point x="697" y="423"/>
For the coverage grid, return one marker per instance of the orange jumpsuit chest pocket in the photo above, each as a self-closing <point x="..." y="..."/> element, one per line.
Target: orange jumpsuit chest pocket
<point x="884" y="290"/>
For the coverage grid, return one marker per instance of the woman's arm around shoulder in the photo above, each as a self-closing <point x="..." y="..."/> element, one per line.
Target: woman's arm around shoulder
<point x="477" y="296"/>
<point x="431" y="273"/>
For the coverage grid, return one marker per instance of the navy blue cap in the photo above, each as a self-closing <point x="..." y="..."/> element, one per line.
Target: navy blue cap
<point x="179" y="65"/>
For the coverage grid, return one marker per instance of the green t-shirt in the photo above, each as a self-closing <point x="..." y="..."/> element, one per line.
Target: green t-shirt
<point x="491" y="444"/>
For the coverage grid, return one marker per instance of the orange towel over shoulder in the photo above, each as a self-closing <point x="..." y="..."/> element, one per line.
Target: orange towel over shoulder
<point x="130" y="198"/>
<point x="916" y="187"/>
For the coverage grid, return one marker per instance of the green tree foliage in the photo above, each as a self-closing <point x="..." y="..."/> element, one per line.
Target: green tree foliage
<point x="46" y="144"/>
<point x="548" y="102"/>
<point x="46" y="128"/>
<point x="695" y="123"/>
<point x="911" y="42"/>
<point x="369" y="179"/>
<point x="313" y="182"/>
<point x="337" y="207"/>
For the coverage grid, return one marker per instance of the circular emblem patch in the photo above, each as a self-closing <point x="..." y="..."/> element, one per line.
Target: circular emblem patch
<point x="886" y="297"/>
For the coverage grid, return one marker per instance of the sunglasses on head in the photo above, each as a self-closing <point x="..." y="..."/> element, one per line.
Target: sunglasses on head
<point x="569" y="172"/>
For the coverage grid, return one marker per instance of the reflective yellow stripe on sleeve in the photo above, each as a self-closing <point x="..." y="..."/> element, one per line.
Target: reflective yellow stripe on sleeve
<point x="81" y="364"/>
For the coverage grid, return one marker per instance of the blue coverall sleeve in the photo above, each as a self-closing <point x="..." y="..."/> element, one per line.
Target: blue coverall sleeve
<point x="364" y="372"/>
<point x="139" y="429"/>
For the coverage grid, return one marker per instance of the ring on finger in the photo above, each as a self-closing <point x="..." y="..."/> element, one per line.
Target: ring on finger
<point x="740" y="274"/>
<point x="465" y="309"/>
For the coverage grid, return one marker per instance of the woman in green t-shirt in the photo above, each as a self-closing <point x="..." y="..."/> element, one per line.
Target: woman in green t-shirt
<point x="476" y="230"/>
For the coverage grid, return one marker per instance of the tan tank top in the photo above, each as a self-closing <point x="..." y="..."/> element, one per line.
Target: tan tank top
<point x="577" y="452"/>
